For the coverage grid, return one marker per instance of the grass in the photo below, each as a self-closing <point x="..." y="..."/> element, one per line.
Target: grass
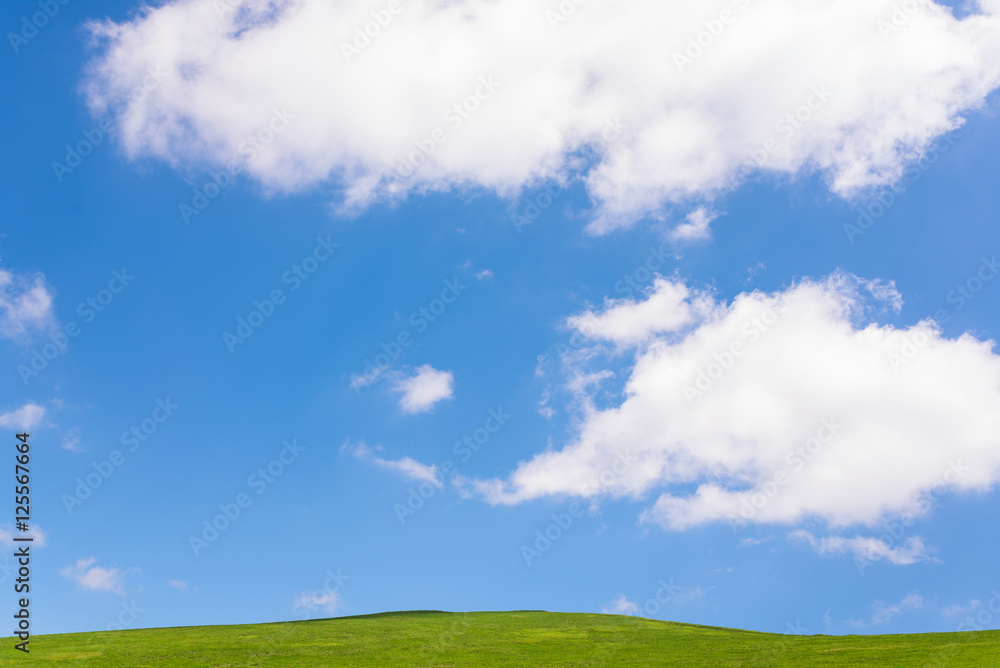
<point x="526" y="639"/>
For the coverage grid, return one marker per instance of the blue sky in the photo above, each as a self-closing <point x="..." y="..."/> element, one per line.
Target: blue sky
<point x="505" y="344"/>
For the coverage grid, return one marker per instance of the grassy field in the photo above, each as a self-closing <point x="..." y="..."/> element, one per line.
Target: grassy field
<point x="505" y="639"/>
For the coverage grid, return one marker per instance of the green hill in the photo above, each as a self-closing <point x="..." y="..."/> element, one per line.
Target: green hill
<point x="514" y="639"/>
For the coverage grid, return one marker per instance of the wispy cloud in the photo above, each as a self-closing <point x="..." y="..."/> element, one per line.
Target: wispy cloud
<point x="25" y="305"/>
<point x="8" y="533"/>
<point x="327" y="601"/>
<point x="25" y="417"/>
<point x="407" y="466"/>
<point x="621" y="606"/>
<point x="883" y="613"/>
<point x="957" y="609"/>
<point x="72" y="443"/>
<point x="910" y="552"/>
<point x="88" y="575"/>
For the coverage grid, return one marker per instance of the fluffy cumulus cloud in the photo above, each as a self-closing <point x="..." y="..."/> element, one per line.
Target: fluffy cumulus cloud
<point x="424" y="388"/>
<point x="88" y="575"/>
<point x="648" y="102"/>
<point x="776" y="408"/>
<point x="626" y="322"/>
<point x="695" y="227"/>
<point x="25" y="305"/>
<point x="24" y="418"/>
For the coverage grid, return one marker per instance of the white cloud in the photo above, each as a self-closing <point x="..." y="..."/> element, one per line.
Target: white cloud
<point x="689" y="595"/>
<point x="327" y="601"/>
<point x="620" y="606"/>
<point x="770" y="406"/>
<point x="910" y="552"/>
<point x="962" y="609"/>
<point x="8" y="533"/>
<point x="25" y="305"/>
<point x="72" y="443"/>
<point x="89" y="576"/>
<point x="424" y="389"/>
<point x="25" y="417"/>
<point x="668" y="307"/>
<point x="695" y="228"/>
<point x="484" y="275"/>
<point x="178" y="584"/>
<point x="544" y="409"/>
<point x="411" y="468"/>
<point x="680" y="132"/>
<point x="361" y="381"/>
<point x="882" y="612"/>
<point x="408" y="466"/>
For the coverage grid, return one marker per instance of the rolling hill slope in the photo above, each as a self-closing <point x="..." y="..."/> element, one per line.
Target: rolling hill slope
<point x="524" y="639"/>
